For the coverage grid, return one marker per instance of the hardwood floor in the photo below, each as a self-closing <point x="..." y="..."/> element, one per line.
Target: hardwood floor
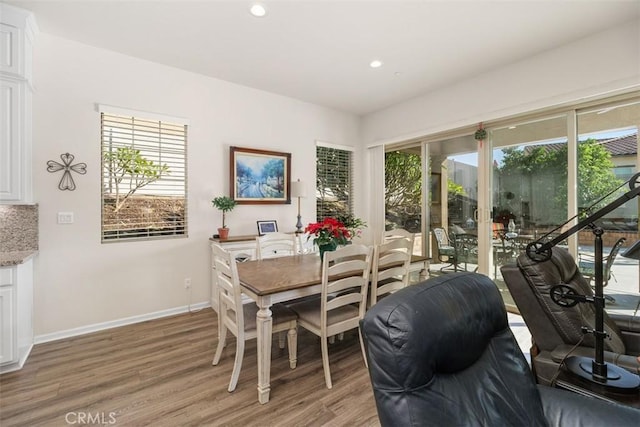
<point x="159" y="373"/>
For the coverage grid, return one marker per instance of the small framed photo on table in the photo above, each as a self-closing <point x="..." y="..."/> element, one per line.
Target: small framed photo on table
<point x="265" y="227"/>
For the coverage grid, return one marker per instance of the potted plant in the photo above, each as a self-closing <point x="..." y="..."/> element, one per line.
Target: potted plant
<point x="225" y="204"/>
<point x="328" y="234"/>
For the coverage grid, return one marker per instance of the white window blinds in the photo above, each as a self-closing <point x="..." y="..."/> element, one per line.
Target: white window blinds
<point x="333" y="182"/>
<point x="144" y="178"/>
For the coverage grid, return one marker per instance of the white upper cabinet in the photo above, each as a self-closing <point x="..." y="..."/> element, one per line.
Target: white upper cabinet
<point x="17" y="32"/>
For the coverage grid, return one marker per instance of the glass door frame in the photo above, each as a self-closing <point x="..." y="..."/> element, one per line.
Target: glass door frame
<point x="485" y="175"/>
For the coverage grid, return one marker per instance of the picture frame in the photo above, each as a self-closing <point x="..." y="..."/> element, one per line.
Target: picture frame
<point x="260" y="176"/>
<point x="434" y="187"/>
<point x="270" y="226"/>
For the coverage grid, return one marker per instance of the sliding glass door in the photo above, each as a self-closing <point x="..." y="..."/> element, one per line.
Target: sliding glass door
<point x="527" y="179"/>
<point x="607" y="159"/>
<point x="529" y="197"/>
<point x="403" y="192"/>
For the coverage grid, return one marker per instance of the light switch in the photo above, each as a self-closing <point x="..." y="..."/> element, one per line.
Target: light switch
<point x="65" y="217"/>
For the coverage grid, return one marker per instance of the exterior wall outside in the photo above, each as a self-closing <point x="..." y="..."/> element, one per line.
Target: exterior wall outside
<point x="585" y="238"/>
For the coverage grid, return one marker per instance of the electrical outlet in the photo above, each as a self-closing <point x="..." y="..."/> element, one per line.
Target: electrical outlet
<point x="65" y="217"/>
<point x="187" y="283"/>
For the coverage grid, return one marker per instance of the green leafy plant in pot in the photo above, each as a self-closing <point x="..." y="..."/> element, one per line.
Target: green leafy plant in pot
<point x="224" y="204"/>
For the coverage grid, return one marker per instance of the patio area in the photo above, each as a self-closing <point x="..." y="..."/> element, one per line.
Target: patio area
<point x="623" y="287"/>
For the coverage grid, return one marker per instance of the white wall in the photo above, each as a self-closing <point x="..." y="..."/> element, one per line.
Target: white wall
<point x="603" y="63"/>
<point x="81" y="282"/>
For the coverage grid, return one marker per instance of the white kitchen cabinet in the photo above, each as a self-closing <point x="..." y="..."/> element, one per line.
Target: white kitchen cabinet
<point x="16" y="315"/>
<point x="8" y="351"/>
<point x="17" y="32"/>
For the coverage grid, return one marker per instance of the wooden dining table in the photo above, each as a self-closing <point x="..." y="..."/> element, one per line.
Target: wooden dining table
<point x="270" y="281"/>
<point x="273" y="280"/>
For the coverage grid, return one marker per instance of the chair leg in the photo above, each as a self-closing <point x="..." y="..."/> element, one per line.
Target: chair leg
<point x="325" y="361"/>
<point x="292" y="342"/>
<point x="237" y="364"/>
<point x="364" y="353"/>
<point x="448" y="267"/>
<point x="221" y="343"/>
<point x="332" y="339"/>
<point x="341" y="336"/>
<point x="281" y="337"/>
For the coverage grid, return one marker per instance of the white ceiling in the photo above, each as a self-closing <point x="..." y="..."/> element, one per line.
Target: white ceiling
<point x="318" y="50"/>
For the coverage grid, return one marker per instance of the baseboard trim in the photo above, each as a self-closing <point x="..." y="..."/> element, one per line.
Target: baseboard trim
<point x="40" y="339"/>
<point x="15" y="366"/>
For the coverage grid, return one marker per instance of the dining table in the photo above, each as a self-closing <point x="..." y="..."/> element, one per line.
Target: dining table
<point x="270" y="281"/>
<point x="274" y="280"/>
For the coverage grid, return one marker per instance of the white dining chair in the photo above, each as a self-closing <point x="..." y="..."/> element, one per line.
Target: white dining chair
<point x="390" y="269"/>
<point x="399" y="233"/>
<point x="273" y="245"/>
<point x="343" y="301"/>
<point x="305" y="243"/>
<point x="240" y="319"/>
<point x="418" y="264"/>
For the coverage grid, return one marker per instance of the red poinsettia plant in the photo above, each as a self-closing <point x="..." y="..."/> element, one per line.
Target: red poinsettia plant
<point x="328" y="231"/>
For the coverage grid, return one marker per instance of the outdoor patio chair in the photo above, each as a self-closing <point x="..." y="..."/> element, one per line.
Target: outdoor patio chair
<point x="586" y="263"/>
<point x="446" y="249"/>
<point x="466" y="249"/>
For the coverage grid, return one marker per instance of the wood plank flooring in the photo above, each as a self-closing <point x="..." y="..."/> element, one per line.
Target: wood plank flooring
<point x="159" y="373"/>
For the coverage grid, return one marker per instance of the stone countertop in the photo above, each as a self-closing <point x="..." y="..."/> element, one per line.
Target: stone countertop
<point x="8" y="259"/>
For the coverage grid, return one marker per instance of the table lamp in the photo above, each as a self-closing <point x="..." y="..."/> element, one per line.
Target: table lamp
<point x="297" y="190"/>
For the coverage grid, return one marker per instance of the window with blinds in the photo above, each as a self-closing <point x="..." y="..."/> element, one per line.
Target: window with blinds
<point x="144" y="178"/>
<point x="333" y="182"/>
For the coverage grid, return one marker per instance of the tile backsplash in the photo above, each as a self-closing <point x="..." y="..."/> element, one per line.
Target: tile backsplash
<point x="18" y="228"/>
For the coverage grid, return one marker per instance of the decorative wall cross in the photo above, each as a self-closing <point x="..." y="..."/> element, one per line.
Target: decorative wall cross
<point x="66" y="182"/>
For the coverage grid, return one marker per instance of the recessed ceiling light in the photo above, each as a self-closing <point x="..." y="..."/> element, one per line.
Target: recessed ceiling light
<point x="258" y="10"/>
<point x="376" y="63"/>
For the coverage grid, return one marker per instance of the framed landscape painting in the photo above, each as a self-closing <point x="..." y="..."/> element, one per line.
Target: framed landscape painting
<point x="260" y="176"/>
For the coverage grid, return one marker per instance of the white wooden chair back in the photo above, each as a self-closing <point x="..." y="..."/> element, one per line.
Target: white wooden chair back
<point x="305" y="244"/>
<point x="354" y="261"/>
<point x="343" y="299"/>
<point x="239" y="319"/>
<point x="391" y="264"/>
<point x="397" y="233"/>
<point x="229" y="291"/>
<point x="274" y="245"/>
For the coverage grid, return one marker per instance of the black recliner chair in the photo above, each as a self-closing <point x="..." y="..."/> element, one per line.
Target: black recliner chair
<point x="441" y="353"/>
<point x="557" y="331"/>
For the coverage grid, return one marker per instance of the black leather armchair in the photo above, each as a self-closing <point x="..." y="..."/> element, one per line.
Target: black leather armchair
<point x="556" y="330"/>
<point x="441" y="353"/>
